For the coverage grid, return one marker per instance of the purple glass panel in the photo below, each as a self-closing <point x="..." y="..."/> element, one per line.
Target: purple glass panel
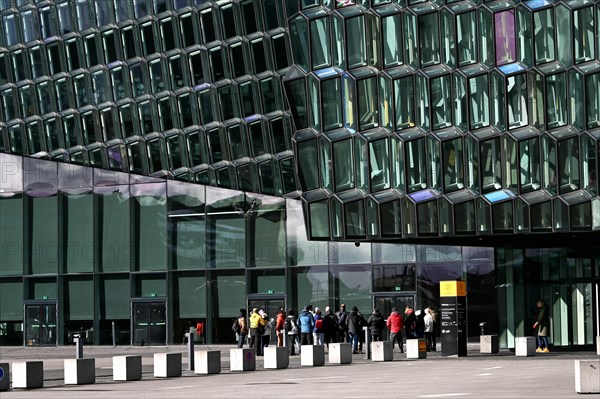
<point x="506" y="46"/>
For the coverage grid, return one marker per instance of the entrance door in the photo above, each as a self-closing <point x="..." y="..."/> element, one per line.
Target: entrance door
<point x="385" y="303"/>
<point x="149" y="322"/>
<point x="40" y="323"/>
<point x="270" y="305"/>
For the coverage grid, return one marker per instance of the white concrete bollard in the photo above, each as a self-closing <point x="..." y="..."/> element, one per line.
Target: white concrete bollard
<point x="489" y="344"/>
<point x="382" y="351"/>
<point x="587" y="376"/>
<point x="598" y="345"/>
<point x="277" y="357"/>
<point x="4" y="377"/>
<point x="80" y="371"/>
<point x="241" y="359"/>
<point x="207" y="362"/>
<point x="167" y="365"/>
<point x="127" y="368"/>
<point x="312" y="355"/>
<point x="29" y="374"/>
<point x="524" y="346"/>
<point x="340" y="353"/>
<point x="416" y="348"/>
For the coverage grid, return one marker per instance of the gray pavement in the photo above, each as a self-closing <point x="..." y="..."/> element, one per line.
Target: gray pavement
<point x="501" y="375"/>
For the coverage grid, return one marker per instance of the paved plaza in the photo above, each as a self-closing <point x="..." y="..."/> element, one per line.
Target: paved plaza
<point x="501" y="375"/>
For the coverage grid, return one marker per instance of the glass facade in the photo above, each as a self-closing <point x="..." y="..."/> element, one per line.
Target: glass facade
<point x="168" y="162"/>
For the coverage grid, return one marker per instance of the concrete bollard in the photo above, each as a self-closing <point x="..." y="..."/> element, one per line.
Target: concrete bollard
<point x="127" y="368"/>
<point x="598" y="345"/>
<point x="587" y="376"/>
<point x="80" y="371"/>
<point x="167" y="365"/>
<point x="241" y="359"/>
<point x="524" y="346"/>
<point x="29" y="374"/>
<point x="382" y="351"/>
<point x="416" y="348"/>
<point x="207" y="362"/>
<point x="312" y="355"/>
<point x="4" y="377"/>
<point x="489" y="344"/>
<point x="277" y="357"/>
<point x="340" y="353"/>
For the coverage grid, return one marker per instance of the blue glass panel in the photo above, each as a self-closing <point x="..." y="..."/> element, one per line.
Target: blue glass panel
<point x="421" y="196"/>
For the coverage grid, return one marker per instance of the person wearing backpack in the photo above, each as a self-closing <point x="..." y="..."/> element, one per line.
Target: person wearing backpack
<point x="240" y="327"/>
<point x="318" y="331"/>
<point x="410" y="323"/>
<point x="257" y="324"/>
<point x="342" y="315"/>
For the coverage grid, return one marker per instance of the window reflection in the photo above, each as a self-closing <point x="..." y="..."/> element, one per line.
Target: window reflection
<point x="504" y="23"/>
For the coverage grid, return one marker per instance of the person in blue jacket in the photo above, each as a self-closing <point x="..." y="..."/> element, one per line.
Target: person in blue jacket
<point x="306" y="323"/>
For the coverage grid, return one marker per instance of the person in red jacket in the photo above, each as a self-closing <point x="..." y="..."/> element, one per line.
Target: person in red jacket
<point x="279" y="326"/>
<point x="394" y="324"/>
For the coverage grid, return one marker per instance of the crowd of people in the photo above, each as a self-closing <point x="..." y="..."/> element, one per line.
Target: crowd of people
<point x="315" y="327"/>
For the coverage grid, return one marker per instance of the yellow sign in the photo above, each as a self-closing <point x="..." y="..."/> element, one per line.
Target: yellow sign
<point x="422" y="346"/>
<point x="453" y="288"/>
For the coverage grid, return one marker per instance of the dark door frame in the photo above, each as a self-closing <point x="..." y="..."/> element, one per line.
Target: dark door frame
<point x="150" y="300"/>
<point x="40" y="302"/>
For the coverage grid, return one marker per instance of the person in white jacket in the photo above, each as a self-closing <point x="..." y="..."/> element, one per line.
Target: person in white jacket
<point x="429" y="334"/>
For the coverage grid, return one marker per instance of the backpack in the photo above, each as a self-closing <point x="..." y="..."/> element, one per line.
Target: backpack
<point x="319" y="324"/>
<point x="236" y="328"/>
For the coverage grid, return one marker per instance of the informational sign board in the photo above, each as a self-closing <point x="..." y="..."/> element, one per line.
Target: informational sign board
<point x="454" y="317"/>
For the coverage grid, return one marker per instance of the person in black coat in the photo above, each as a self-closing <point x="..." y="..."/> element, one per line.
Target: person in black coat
<point x="377" y="324"/>
<point x="355" y="323"/>
<point x="330" y="326"/>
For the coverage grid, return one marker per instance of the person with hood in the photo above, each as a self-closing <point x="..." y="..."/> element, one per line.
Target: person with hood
<point x="257" y="323"/>
<point x="243" y="324"/>
<point x="306" y="323"/>
<point x="279" y="326"/>
<point x="330" y="326"/>
<point x="355" y="322"/>
<point x="394" y="324"/>
<point x="420" y="331"/>
<point x="377" y="325"/>
<point x="292" y="331"/>
<point x="342" y="315"/>
<point x="410" y="323"/>
<point x="318" y="331"/>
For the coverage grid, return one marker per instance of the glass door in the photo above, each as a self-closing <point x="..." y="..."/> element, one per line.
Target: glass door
<point x="385" y="303"/>
<point x="270" y="305"/>
<point x="40" y="323"/>
<point x="149" y="322"/>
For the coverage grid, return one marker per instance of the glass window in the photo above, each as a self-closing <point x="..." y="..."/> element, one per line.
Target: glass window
<point x="247" y="98"/>
<point x="479" y="105"/>
<point x="320" y="45"/>
<point x="226" y="232"/>
<point x="556" y="100"/>
<point x="404" y="101"/>
<point x="318" y="214"/>
<point x="394" y="278"/>
<point x="79" y="298"/>
<point x="460" y="102"/>
<point x="352" y="285"/>
<point x="11" y="30"/>
<point x="453" y="165"/>
<point x="168" y="34"/>
<point x="208" y="27"/>
<point x="267" y="237"/>
<point x="11" y="233"/>
<point x="416" y="159"/>
<point x="150" y="231"/>
<point x="190" y="296"/>
<point x="549" y="164"/>
<point x="331" y="104"/>
<point x="268" y="95"/>
<point x="64" y="17"/>
<point x="593" y="100"/>
<point x="568" y="165"/>
<point x="280" y="51"/>
<point x="187" y="225"/>
<point x="466" y="31"/>
<point x="367" y="103"/>
<point x="29" y="26"/>
<point x="83" y="15"/>
<point x="296" y="93"/>
<point x="114" y="234"/>
<point x="516" y="86"/>
<point x="589" y="159"/>
<point x="11" y="295"/>
<point x="228" y="21"/>
<point x="115" y="297"/>
<point x="78" y="215"/>
<point x="378" y="165"/>
<point x="490" y="160"/>
<point x="583" y="32"/>
<point x="355" y="39"/>
<point x="43" y="225"/>
<point x="217" y="67"/>
<point x="506" y="51"/>
<point x="391" y="27"/>
<point x="529" y="164"/>
<point x="543" y="28"/>
<point x="429" y="39"/>
<point x="186" y="109"/>
<point x="440" y="100"/>
<point x="343" y="159"/>
<point x="46" y="15"/>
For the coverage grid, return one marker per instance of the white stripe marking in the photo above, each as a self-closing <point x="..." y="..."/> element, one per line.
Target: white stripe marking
<point x="483" y="374"/>
<point x="492" y="368"/>
<point x="444" y="395"/>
